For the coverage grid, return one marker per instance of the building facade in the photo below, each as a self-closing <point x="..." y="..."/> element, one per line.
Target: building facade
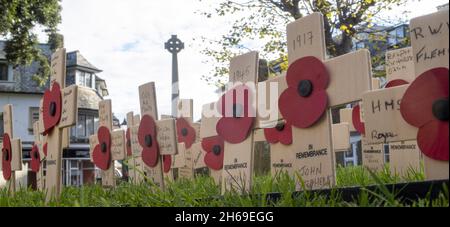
<point x="19" y="89"/>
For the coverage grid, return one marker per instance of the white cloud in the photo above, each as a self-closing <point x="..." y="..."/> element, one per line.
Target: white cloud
<point x="126" y="40"/>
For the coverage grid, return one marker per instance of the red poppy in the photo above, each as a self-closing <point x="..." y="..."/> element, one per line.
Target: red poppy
<point x="128" y="136"/>
<point x="425" y="106"/>
<point x="147" y="139"/>
<point x="102" y="152"/>
<point x="305" y="100"/>
<point x="35" y="159"/>
<point x="356" y="116"/>
<point x="282" y="133"/>
<point x="45" y="149"/>
<point x="167" y="161"/>
<point x="185" y="133"/>
<point x="237" y="115"/>
<point x="396" y="83"/>
<point x="52" y="107"/>
<point x="6" y="157"/>
<point x="214" y="147"/>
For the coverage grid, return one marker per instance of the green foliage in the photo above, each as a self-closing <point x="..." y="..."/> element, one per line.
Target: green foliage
<point x="266" y="20"/>
<point x="202" y="192"/>
<point x="18" y="19"/>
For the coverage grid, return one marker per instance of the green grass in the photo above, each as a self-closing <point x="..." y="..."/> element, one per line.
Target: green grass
<point x="202" y="192"/>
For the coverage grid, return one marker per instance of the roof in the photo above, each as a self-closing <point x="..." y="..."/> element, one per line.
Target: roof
<point x="75" y="59"/>
<point x="23" y="75"/>
<point x="23" y="82"/>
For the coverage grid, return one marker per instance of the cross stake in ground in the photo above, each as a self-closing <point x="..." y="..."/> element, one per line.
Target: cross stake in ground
<point x="110" y="145"/>
<point x="60" y="112"/>
<point x="11" y="151"/>
<point x="315" y="85"/>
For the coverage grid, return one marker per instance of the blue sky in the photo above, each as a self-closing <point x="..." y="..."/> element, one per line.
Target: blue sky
<point x="126" y="39"/>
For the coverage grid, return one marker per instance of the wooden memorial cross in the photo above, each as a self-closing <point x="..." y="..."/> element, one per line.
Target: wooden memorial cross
<point x="316" y="85"/>
<point x="276" y="132"/>
<point x="341" y="137"/>
<point x="238" y="110"/>
<point x="430" y="40"/>
<point x="11" y="151"/>
<point x="38" y="156"/>
<point x="404" y="109"/>
<point x="168" y="145"/>
<point x="147" y="134"/>
<point x="110" y="145"/>
<point x="129" y="149"/>
<point x="168" y="160"/>
<point x="187" y="134"/>
<point x="212" y="144"/>
<point x="403" y="156"/>
<point x="400" y="66"/>
<point x="59" y="112"/>
<point x="138" y="172"/>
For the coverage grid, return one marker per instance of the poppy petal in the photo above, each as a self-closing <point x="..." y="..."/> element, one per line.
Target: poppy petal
<point x="302" y="112"/>
<point x="167" y="160"/>
<point x="433" y="140"/>
<point x="6" y="157"/>
<point x="308" y="68"/>
<point x="271" y="135"/>
<point x="234" y="130"/>
<point x="396" y="83"/>
<point x="214" y="146"/>
<point x="101" y="160"/>
<point x="356" y="117"/>
<point x="284" y="136"/>
<point x="52" y="107"/>
<point x="128" y="138"/>
<point x="417" y="103"/>
<point x="102" y="152"/>
<point x="185" y="133"/>
<point x="45" y="149"/>
<point x="147" y="139"/>
<point x="35" y="159"/>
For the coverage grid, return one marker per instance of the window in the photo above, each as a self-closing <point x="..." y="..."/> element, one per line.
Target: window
<point x="33" y="117"/>
<point x="84" y="79"/>
<point x="360" y="45"/>
<point x="70" y="78"/>
<point x="86" y="126"/>
<point x="392" y="38"/>
<point x="400" y="33"/>
<point x="396" y="36"/>
<point x="4" y="72"/>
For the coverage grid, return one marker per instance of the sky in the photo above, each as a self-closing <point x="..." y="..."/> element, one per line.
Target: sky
<point x="125" y="38"/>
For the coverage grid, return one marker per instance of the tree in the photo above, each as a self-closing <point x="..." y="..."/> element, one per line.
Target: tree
<point x="266" y="20"/>
<point x="18" y="22"/>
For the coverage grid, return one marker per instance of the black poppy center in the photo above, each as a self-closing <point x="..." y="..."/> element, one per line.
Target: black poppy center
<point x="6" y="155"/>
<point x="184" y="132"/>
<point x="148" y="141"/>
<point x="280" y="127"/>
<point x="305" y="88"/>
<point x="103" y="147"/>
<point x="440" y="109"/>
<point x="52" y="109"/>
<point x="216" y="150"/>
<point x="237" y="110"/>
<point x="36" y="155"/>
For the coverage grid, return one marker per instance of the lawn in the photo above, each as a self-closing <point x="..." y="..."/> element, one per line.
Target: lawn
<point x="202" y="192"/>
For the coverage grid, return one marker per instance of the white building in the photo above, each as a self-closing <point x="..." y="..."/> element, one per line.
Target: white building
<point x="19" y="89"/>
